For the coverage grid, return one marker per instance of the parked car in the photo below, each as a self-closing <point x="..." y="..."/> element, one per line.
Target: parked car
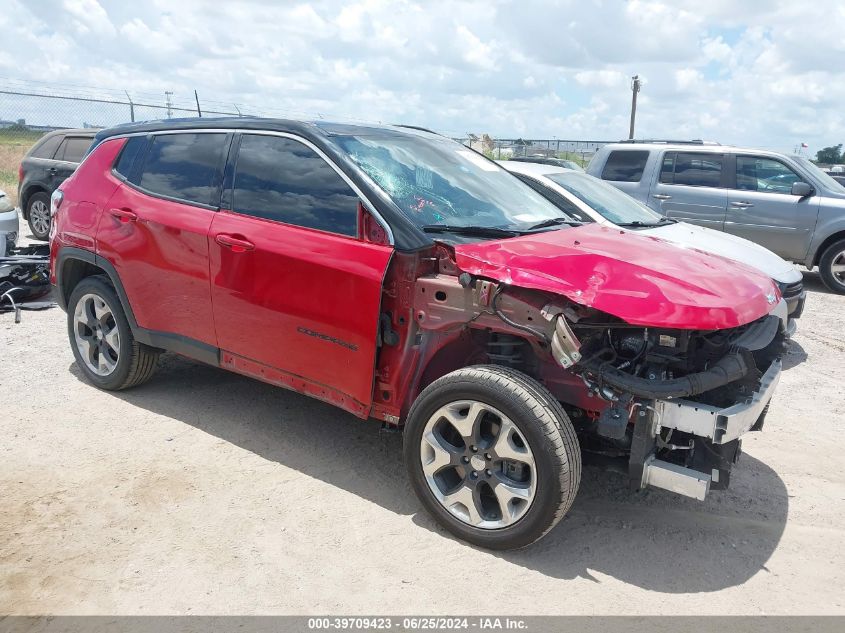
<point x="401" y="276"/>
<point x="784" y="203"/>
<point x="8" y="224"/>
<point x="547" y="160"/>
<point x="590" y="199"/>
<point x="45" y="166"/>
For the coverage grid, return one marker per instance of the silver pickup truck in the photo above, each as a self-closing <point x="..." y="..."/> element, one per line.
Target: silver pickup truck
<point x="784" y="203"/>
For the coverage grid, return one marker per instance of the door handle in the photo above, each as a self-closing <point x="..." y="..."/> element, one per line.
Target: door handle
<point x="661" y="196"/>
<point x="124" y="215"/>
<point x="234" y="244"/>
<point x="741" y="205"/>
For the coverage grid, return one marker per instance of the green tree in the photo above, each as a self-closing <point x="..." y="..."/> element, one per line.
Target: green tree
<point x="830" y="155"/>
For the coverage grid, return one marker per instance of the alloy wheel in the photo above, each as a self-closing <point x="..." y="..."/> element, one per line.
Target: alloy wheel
<point x="478" y="464"/>
<point x="96" y="334"/>
<point x="39" y="216"/>
<point x="837" y="267"/>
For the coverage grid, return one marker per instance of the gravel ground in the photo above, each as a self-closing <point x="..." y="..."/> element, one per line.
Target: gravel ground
<point x="204" y="492"/>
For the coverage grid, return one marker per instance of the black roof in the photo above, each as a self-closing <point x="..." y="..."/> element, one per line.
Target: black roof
<point x="307" y="129"/>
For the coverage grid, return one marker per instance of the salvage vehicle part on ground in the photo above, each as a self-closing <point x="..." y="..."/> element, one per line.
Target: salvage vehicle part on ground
<point x="25" y="280"/>
<point x="401" y="276"/>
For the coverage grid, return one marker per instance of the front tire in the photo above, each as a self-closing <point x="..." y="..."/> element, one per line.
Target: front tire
<point x="832" y="267"/>
<point x="102" y="340"/>
<point x="38" y="215"/>
<point x="492" y="455"/>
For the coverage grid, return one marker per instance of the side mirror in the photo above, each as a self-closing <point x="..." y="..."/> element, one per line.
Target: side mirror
<point x="802" y="189"/>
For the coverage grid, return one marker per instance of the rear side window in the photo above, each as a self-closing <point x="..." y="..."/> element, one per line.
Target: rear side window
<point x="47" y="148"/>
<point x="73" y="148"/>
<point x="129" y="155"/>
<point x="625" y="166"/>
<point x="690" y="168"/>
<point x="185" y="166"/>
<point x="281" y="179"/>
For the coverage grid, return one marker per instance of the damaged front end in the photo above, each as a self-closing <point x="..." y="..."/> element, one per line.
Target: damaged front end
<point x="665" y="403"/>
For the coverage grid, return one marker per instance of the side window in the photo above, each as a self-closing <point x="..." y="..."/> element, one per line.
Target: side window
<point x="756" y="173"/>
<point x="47" y="148"/>
<point x="690" y="168"/>
<point x="555" y="198"/>
<point x="185" y="166"/>
<point x="73" y="148"/>
<point x="281" y="179"/>
<point x="129" y="154"/>
<point x="625" y="165"/>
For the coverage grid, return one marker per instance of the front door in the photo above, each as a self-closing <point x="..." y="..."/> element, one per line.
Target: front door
<point x="296" y="293"/>
<point x="761" y="207"/>
<point x="690" y="187"/>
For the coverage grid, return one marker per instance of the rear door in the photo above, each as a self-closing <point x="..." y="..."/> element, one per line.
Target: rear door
<point x="691" y="186"/>
<point x="294" y="289"/>
<point x="761" y="207"/>
<point x="154" y="229"/>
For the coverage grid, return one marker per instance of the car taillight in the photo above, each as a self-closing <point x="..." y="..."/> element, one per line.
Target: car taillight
<point x="56" y="202"/>
<point x="20" y="173"/>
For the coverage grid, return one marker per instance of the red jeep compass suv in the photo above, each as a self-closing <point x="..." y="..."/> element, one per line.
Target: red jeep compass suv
<point x="403" y="277"/>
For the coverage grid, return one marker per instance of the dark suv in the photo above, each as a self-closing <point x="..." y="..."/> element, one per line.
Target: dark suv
<point x="403" y="277"/>
<point x="44" y="168"/>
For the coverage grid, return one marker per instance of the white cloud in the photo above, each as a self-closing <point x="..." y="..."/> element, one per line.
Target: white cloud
<point x="540" y="68"/>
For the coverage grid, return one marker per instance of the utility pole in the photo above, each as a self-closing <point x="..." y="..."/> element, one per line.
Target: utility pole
<point x="635" y="88"/>
<point x="169" y="103"/>
<point x="199" y="112"/>
<point x="131" y="107"/>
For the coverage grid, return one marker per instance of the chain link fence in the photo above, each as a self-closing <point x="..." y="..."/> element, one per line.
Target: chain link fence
<point x="28" y="110"/>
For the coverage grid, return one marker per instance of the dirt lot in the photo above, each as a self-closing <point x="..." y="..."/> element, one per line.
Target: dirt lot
<point x="203" y="492"/>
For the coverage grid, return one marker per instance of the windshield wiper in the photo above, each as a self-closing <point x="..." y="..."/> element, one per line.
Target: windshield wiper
<point x="554" y="222"/>
<point x="639" y="224"/>
<point x="479" y="231"/>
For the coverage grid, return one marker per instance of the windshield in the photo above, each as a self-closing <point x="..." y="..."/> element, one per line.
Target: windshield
<point x="826" y="180"/>
<point x="440" y="182"/>
<point x="610" y="202"/>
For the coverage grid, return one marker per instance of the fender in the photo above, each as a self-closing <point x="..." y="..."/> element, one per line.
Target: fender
<point x="163" y="340"/>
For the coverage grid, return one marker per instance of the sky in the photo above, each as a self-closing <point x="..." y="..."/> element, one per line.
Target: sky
<point x="767" y="73"/>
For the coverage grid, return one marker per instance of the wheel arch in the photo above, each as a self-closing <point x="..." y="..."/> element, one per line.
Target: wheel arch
<point x="29" y="191"/>
<point x="830" y="239"/>
<point x="75" y="264"/>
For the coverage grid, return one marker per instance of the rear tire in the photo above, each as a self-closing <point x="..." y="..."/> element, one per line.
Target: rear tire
<point x="832" y="267"/>
<point x="493" y="456"/>
<point x="102" y="340"/>
<point x="38" y="215"/>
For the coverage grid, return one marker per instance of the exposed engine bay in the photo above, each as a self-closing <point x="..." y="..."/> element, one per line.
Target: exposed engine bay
<point x="25" y="280"/>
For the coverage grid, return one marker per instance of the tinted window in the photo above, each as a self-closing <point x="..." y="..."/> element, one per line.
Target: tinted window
<point x="689" y="168"/>
<point x="47" y="148"/>
<point x="625" y="166"/>
<point x="73" y="148"/>
<point x="555" y="198"/>
<point x="764" y="174"/>
<point x="184" y="166"/>
<point x="129" y="154"/>
<point x="281" y="179"/>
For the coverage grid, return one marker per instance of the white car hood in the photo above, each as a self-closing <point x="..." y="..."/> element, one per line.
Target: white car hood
<point x="729" y="246"/>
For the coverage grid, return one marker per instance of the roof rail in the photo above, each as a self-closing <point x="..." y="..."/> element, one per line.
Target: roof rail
<point x="417" y="127"/>
<point x="697" y="141"/>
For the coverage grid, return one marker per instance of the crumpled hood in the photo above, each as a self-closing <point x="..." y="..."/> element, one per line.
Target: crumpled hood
<point x="727" y="245"/>
<point x="640" y="279"/>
